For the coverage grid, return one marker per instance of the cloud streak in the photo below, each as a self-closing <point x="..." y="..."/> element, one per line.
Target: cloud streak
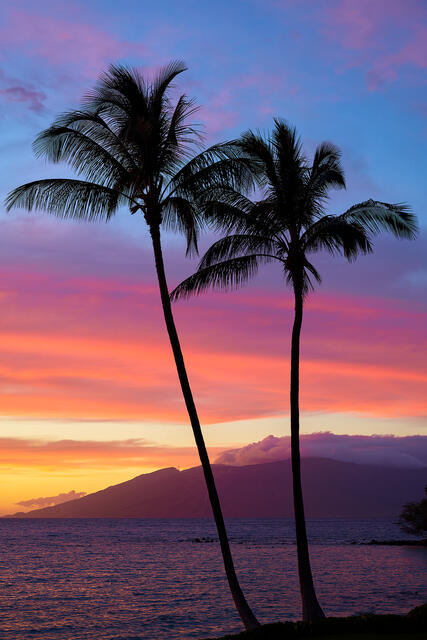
<point x="72" y="455"/>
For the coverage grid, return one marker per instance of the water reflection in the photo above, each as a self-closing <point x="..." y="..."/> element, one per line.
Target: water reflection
<point x="150" y="579"/>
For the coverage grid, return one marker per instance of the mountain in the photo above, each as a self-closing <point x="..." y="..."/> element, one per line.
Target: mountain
<point x="331" y="488"/>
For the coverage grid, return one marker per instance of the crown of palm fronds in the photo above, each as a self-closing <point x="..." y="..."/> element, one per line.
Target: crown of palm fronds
<point x="289" y="223"/>
<point x="131" y="145"/>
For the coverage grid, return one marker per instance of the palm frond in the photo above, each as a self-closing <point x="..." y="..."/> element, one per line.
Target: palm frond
<point x="238" y="245"/>
<point x="181" y="137"/>
<point x="161" y="83"/>
<point x="118" y="92"/>
<point x="87" y="156"/>
<point x="223" y="217"/>
<point x="313" y="271"/>
<point x="290" y="169"/>
<point x="336" y="235"/>
<point x="97" y="128"/>
<point x="227" y="196"/>
<point x="233" y="213"/>
<point x="261" y="156"/>
<point x="223" y="276"/>
<point x="180" y="214"/>
<point x="158" y="135"/>
<point x="301" y="279"/>
<point x="122" y="97"/>
<point x="211" y="169"/>
<point x="226" y="218"/>
<point x="66" y="198"/>
<point x="288" y="149"/>
<point x="326" y="168"/>
<point x="289" y="221"/>
<point x="377" y="216"/>
<point x="325" y="173"/>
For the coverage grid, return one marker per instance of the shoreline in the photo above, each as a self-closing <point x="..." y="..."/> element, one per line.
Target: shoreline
<point x="369" y="626"/>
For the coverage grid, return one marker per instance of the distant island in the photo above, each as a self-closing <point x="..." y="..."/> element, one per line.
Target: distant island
<point x="332" y="489"/>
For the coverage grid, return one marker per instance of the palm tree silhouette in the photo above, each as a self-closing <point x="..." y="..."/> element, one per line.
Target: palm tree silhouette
<point x="134" y="148"/>
<point x="286" y="225"/>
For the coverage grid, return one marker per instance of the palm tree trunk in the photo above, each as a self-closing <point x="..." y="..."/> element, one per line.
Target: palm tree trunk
<point x="311" y="609"/>
<point x="248" y="618"/>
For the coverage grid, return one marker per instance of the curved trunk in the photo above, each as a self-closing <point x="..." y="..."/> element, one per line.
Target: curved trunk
<point x="311" y="609"/>
<point x="245" y="612"/>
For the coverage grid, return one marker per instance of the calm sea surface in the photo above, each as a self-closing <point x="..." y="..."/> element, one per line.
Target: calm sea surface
<point x="133" y="579"/>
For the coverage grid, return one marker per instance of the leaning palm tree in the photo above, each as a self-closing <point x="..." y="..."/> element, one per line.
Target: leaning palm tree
<point x="135" y="148"/>
<point x="286" y="225"/>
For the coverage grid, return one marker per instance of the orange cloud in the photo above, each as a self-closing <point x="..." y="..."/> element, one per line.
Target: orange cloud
<point x="71" y="455"/>
<point x="81" y="368"/>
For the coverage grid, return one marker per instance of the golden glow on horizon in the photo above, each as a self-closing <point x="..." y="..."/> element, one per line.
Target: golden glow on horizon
<point x="25" y="484"/>
<point x="64" y="458"/>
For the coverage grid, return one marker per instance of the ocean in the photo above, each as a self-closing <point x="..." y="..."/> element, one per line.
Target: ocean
<point x="102" y="579"/>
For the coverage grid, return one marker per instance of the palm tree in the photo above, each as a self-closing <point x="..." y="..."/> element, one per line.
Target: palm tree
<point x="285" y="226"/>
<point x="134" y="148"/>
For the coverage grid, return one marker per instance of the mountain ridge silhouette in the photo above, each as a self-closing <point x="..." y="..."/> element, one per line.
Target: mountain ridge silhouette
<point x="332" y="488"/>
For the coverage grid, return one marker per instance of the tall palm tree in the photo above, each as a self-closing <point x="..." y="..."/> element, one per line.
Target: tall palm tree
<point x="286" y="225"/>
<point x="134" y="148"/>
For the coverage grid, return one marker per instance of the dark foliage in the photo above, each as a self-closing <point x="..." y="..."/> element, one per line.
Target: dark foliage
<point x="414" y="622"/>
<point x="289" y="222"/>
<point x="133" y="148"/>
<point x="413" y="517"/>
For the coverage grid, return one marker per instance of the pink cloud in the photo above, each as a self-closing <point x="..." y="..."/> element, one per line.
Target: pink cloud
<point x="363" y="21"/>
<point x="12" y="91"/>
<point x="384" y="35"/>
<point x="34" y="99"/>
<point x="78" y="41"/>
<point x="219" y="113"/>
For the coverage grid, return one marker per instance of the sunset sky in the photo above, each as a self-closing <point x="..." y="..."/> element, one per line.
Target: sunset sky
<point x="88" y="391"/>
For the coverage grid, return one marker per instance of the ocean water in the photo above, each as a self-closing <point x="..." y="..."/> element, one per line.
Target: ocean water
<point x="91" y="579"/>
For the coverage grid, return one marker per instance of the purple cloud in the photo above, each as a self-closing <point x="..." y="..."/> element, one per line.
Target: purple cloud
<point x="34" y="99"/>
<point x="50" y="501"/>
<point x="15" y="91"/>
<point x="388" y="451"/>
